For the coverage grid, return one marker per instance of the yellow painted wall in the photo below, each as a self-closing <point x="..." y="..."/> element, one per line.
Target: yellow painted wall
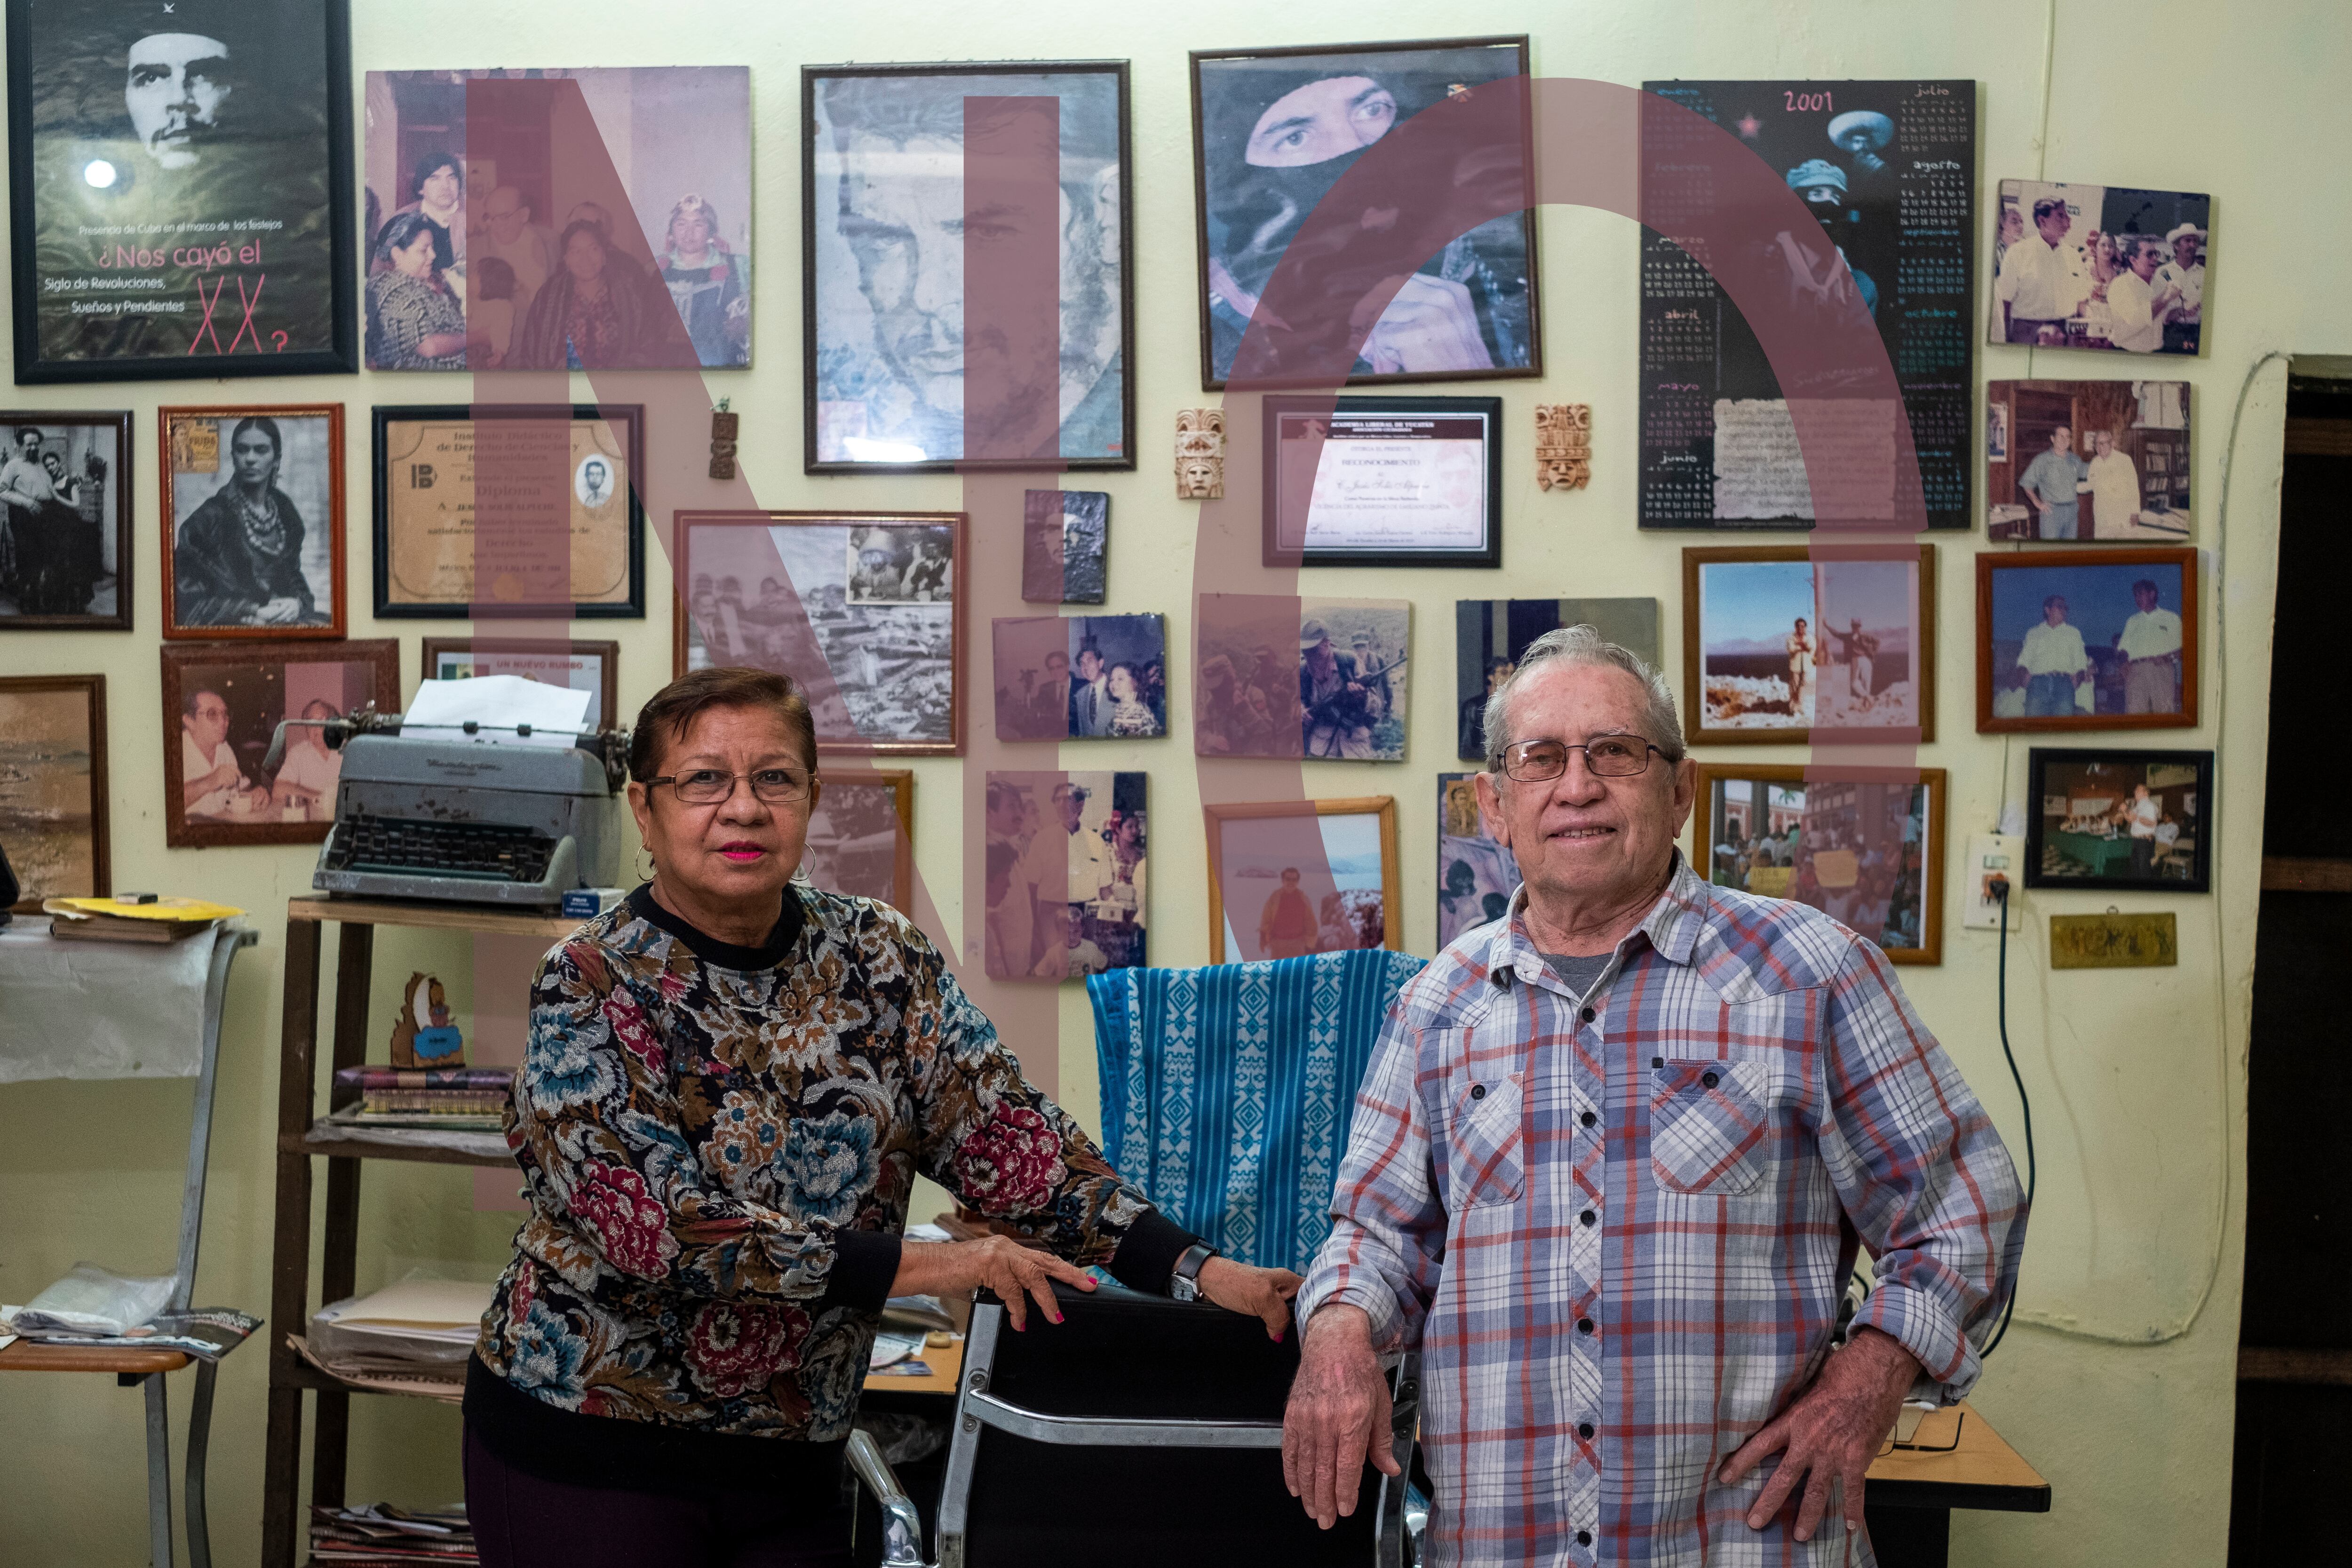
<point x="2118" y="1381"/>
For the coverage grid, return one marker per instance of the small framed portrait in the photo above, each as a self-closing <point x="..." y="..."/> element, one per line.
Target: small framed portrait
<point x="579" y="666"/>
<point x="222" y="703"/>
<point x="1291" y="877"/>
<point x="1864" y="846"/>
<point x="1384" y="481"/>
<point x="253" y="522"/>
<point x="1796" y="643"/>
<point x="2124" y="820"/>
<point x="883" y="152"/>
<point x="861" y="837"/>
<point x="1476" y="874"/>
<point x="472" y="503"/>
<point x="2092" y="460"/>
<point x="2087" y="639"/>
<point x="882" y="666"/>
<point x="1081" y="678"/>
<point x="1273" y="131"/>
<point x="53" y="793"/>
<point x="1339" y="697"/>
<point x="1064" y="538"/>
<point x="65" y="523"/>
<point x="182" y="186"/>
<point x="1066" y="868"/>
<point x="2099" y="267"/>
<point x="1489" y="635"/>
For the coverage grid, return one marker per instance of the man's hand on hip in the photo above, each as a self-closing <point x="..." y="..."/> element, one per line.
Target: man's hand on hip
<point x="1338" y="1415"/>
<point x="1830" y="1434"/>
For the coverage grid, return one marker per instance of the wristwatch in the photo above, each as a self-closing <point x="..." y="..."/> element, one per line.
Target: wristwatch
<point x="1184" y="1280"/>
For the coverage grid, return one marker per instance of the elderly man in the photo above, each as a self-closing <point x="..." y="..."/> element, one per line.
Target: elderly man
<point x="2138" y="305"/>
<point x="2113" y="480"/>
<point x="1610" y="1170"/>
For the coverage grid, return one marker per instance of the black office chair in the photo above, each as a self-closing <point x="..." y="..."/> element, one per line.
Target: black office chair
<point x="1140" y="1431"/>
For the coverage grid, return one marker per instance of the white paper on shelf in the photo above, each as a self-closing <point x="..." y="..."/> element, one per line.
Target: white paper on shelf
<point x="423" y="1308"/>
<point x="498" y="703"/>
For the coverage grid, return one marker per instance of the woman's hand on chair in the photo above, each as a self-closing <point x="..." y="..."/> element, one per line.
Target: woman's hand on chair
<point x="999" y="1263"/>
<point x="1254" y="1292"/>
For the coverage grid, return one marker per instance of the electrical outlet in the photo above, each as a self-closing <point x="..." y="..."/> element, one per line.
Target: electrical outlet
<point x="1993" y="855"/>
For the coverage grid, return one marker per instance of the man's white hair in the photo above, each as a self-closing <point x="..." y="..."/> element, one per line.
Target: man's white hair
<point x="1586" y="646"/>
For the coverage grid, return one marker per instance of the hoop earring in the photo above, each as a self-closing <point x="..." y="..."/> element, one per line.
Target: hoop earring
<point x="645" y="872"/>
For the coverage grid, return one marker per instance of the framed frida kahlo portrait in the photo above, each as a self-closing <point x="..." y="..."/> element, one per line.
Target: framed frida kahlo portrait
<point x="253" y="522"/>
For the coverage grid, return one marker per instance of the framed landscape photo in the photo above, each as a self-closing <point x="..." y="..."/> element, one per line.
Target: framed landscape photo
<point x="221" y="705"/>
<point x="2126" y="820"/>
<point x="1081" y="678"/>
<point x="180" y="181"/>
<point x="2099" y="267"/>
<point x="65" y="488"/>
<point x="253" y="522"/>
<point x="579" y="666"/>
<point x="884" y="284"/>
<point x="54" y="800"/>
<point x="1476" y="874"/>
<point x="1291" y="877"/>
<point x="518" y="509"/>
<point x="1864" y="846"/>
<point x="1489" y="635"/>
<point x="2087" y="639"/>
<point x="2077" y="461"/>
<point x="1384" y="481"/>
<point x="1068" y="869"/>
<point x="861" y="837"/>
<point x="862" y="609"/>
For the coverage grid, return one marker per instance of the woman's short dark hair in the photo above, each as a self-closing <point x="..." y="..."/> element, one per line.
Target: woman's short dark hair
<point x="267" y="426"/>
<point x="400" y="231"/>
<point x="664" y="719"/>
<point x="579" y="227"/>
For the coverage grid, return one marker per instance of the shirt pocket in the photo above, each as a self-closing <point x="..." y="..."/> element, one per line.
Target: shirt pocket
<point x="1708" y="1126"/>
<point x="1488" y="1150"/>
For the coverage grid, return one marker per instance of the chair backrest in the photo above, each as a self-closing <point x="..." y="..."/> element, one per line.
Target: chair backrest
<point x="1227" y="1092"/>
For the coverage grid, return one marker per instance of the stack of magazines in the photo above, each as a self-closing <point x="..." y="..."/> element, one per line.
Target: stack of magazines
<point x="413" y="1337"/>
<point x="379" y="1535"/>
<point x="451" y="1099"/>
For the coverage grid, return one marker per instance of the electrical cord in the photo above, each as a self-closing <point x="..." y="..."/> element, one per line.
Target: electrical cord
<point x="2032" y="1174"/>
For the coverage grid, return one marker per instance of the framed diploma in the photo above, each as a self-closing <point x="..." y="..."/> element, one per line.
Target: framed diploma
<point x="1384" y="481"/>
<point x="529" y="509"/>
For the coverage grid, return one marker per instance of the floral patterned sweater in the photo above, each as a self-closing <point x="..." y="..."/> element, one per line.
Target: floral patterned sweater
<point x="719" y="1144"/>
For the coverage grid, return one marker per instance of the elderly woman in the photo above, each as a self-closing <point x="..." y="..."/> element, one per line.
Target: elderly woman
<point x="238" y="559"/>
<point x="414" y="320"/>
<point x="590" y="314"/>
<point x="731" y="1081"/>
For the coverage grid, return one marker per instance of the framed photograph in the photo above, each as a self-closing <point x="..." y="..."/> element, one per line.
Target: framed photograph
<point x="1081" y="678"/>
<point x="2099" y="267"/>
<point x="53" y="794"/>
<point x="253" y="522"/>
<point x="578" y="666"/>
<point x="2087" y="639"/>
<point x="1489" y="635"/>
<point x="1339" y="697"/>
<point x="882" y="158"/>
<point x="181" y="185"/>
<point x="221" y="705"/>
<point x="1274" y="129"/>
<point x="2138" y="821"/>
<point x="518" y="509"/>
<point x="869" y="598"/>
<point x="2092" y="460"/>
<point x="1886" y="171"/>
<point x="1385" y="481"/>
<point x="1063" y="534"/>
<point x="1291" y="877"/>
<point x="1786" y="643"/>
<point x="1864" y="846"/>
<point x="1476" y="874"/>
<point x="1066" y="868"/>
<point x="861" y="837"/>
<point x="522" y="220"/>
<point x="65" y="523"/>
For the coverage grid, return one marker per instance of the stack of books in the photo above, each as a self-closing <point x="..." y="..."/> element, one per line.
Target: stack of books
<point x="121" y="919"/>
<point x="379" y="1535"/>
<point x="451" y="1099"/>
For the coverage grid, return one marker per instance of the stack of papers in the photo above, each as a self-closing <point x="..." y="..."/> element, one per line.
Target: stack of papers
<point x="378" y="1535"/>
<point x="106" y="920"/>
<point x="414" y="1336"/>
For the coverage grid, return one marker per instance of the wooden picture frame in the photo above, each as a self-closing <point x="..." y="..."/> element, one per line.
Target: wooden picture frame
<point x="901" y="782"/>
<point x="523" y="651"/>
<point x="113" y="522"/>
<point x="19" y="826"/>
<point x="269" y="818"/>
<point x="811" y="621"/>
<point x="204" y="437"/>
<point x="1284" y="542"/>
<point x="1928" y="895"/>
<point x="2111" y="679"/>
<point x="1741" y="693"/>
<point x="2178" y="796"/>
<point x="1382" y="807"/>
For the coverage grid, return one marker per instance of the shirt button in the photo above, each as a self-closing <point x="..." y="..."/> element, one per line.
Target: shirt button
<point x="1588" y="1217"/>
<point x="1587" y="1119"/>
<point x="1583" y="1325"/>
<point x="1478" y="1091"/>
<point x="1584" y="1537"/>
<point x="1584" y="1429"/>
<point x="1586" y="1015"/>
<point x="1657" y="1062"/>
<point x="1708" y="1080"/>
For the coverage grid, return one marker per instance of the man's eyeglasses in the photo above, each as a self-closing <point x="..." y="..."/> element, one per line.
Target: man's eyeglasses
<point x="708" y="786"/>
<point x="1611" y="757"/>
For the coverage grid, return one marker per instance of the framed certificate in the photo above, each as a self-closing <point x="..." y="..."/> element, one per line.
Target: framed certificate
<point x="527" y="510"/>
<point x="1384" y="481"/>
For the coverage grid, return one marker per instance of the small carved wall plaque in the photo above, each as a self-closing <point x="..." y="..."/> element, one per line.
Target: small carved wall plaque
<point x="1199" y="453"/>
<point x="2113" y="941"/>
<point x="1563" y="445"/>
<point x="723" y="428"/>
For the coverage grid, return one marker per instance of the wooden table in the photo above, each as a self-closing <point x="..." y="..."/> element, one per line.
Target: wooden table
<point x="1912" y="1491"/>
<point x="946" y="1363"/>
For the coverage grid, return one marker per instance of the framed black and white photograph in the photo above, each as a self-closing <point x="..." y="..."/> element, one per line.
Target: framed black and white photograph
<point x="2099" y="267"/>
<point x="575" y="665"/>
<point x="65" y="523"/>
<point x="221" y="705"/>
<point x="1489" y="635"/>
<point x="1081" y="678"/>
<point x="1384" y="481"/>
<point x="2122" y="820"/>
<point x="1274" y="129"/>
<point x="1064" y="537"/>
<point x="180" y="180"/>
<point x="883" y="259"/>
<point x="253" y="522"/>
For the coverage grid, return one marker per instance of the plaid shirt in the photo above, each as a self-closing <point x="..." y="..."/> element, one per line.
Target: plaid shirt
<point x="1619" y="1227"/>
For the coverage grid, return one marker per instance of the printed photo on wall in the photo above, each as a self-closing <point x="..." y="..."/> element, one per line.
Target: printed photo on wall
<point x="253" y="522"/>
<point x="1782" y="643"/>
<point x="221" y="705"/>
<point x="575" y="666"/>
<point x="1339" y="696"/>
<point x="861" y="837"/>
<point x="53" y="793"/>
<point x="65" y="523"/>
<point x="2079" y="460"/>
<point x="1291" y="877"/>
<point x="1864" y="846"/>
<point x="2087" y="639"/>
<point x="2099" y="267"/>
<point x="1065" y="874"/>
<point x="544" y="219"/>
<point x="1475" y="875"/>
<point x="2120" y="820"/>
<point x="1063" y="537"/>
<point x="1489" y="635"/>
<point x="1083" y="678"/>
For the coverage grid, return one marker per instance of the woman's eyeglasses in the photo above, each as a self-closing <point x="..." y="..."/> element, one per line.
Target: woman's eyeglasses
<point x="708" y="786"/>
<point x="1611" y="757"/>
